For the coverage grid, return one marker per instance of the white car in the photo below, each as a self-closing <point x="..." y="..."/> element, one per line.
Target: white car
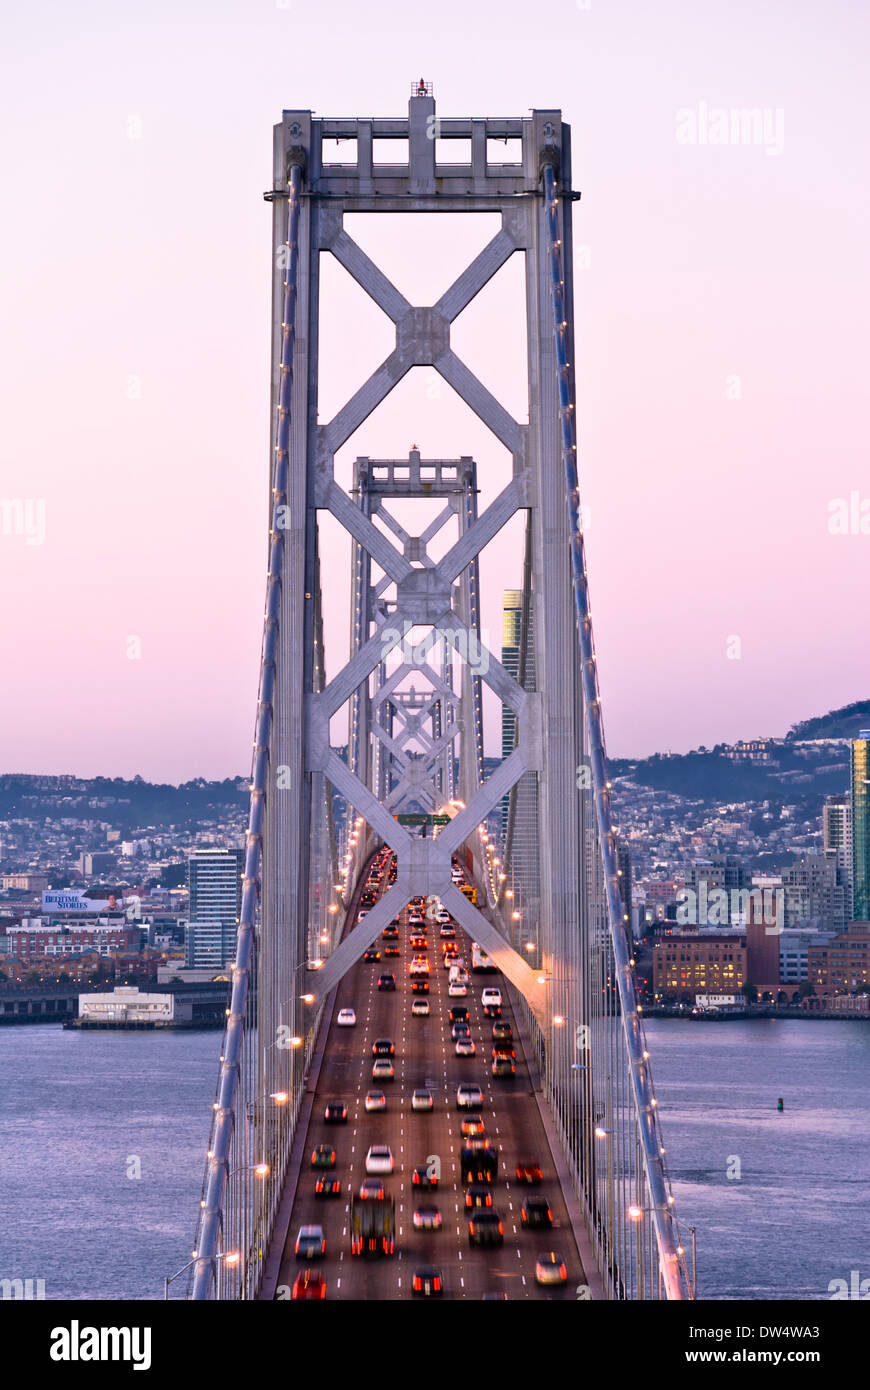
<point x="376" y="1100"/>
<point x="422" y="1099"/>
<point x="468" y="1097"/>
<point x="465" y="1048"/>
<point x="346" y="1018"/>
<point x="457" y="990"/>
<point x="420" y="1007"/>
<point x="383" y="1070"/>
<point x="491" y="996"/>
<point x="379" y="1159"/>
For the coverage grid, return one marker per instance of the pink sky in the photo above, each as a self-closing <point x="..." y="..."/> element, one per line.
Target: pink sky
<point x="149" y="258"/>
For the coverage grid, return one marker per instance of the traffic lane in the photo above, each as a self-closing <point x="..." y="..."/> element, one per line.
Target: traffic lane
<point x="423" y="1047"/>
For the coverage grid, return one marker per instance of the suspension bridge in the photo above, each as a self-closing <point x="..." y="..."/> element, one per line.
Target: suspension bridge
<point x="371" y="855"/>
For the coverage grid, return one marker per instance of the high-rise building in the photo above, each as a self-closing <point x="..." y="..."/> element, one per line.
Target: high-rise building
<point x="214" y="878"/>
<point x="815" y="894"/>
<point x="837" y="841"/>
<point x="860" y="799"/>
<point x="525" y="853"/>
<point x="512" y="621"/>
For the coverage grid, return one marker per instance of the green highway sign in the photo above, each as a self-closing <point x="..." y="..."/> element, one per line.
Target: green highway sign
<point x="418" y="818"/>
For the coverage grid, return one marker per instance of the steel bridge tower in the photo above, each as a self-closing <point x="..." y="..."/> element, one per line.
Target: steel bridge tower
<point x="406" y="741"/>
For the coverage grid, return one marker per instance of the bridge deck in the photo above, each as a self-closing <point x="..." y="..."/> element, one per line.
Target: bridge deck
<point x="425" y="1057"/>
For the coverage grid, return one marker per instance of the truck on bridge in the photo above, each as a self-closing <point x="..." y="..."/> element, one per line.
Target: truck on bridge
<point x="372" y="1224"/>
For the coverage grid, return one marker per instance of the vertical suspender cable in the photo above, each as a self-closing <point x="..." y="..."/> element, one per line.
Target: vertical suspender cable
<point x="673" y="1272"/>
<point x="210" y="1225"/>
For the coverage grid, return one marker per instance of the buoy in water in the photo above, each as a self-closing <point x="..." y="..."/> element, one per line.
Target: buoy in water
<point x="779" y="1104"/>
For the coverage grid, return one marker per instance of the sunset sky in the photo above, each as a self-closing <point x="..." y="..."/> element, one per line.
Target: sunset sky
<point x="721" y="312"/>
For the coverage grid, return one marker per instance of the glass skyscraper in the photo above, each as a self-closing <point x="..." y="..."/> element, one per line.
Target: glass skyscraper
<point x="861" y="826"/>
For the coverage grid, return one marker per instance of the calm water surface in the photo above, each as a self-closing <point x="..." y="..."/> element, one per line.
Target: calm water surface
<point x="797" y="1216"/>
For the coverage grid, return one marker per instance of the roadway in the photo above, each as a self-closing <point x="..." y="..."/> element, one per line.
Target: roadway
<point x="425" y="1056"/>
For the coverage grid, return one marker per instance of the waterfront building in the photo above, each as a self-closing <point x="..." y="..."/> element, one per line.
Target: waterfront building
<point x="841" y="963"/>
<point x="687" y="964"/>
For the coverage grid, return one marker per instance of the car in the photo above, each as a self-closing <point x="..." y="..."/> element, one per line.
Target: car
<point x="447" y="933"/>
<point x="370" y="902"/>
<point x="383" y="1047"/>
<point x="492" y="1010"/>
<point x="468" y="1097"/>
<point x="420" y="986"/>
<point x="476" y="1195"/>
<point x="372" y="955"/>
<point x="346" y="1018"/>
<point x="335" y="1113"/>
<point x="427" y="1281"/>
<point x="485" y="1228"/>
<point x="390" y="933"/>
<point x="415" y="920"/>
<point x="458" y="1014"/>
<point x="502" y="1032"/>
<point x="310" y="1243"/>
<point x="392" y="951"/>
<point x="418" y="942"/>
<point x="327" y="1187"/>
<point x="529" y="1171"/>
<point x="472" y="1124"/>
<point x="504" y="1067"/>
<point x="379" y="1159"/>
<point x="458" y="974"/>
<point x="372" y="1189"/>
<point x="465" y="1047"/>
<point x="460" y="1030"/>
<point x="503" y="1049"/>
<point x="422" y="1099"/>
<point x="550" y="1269"/>
<point x="420" y="1008"/>
<point x="421" y="1177"/>
<point x="490" y="996"/>
<point x="536" y="1213"/>
<point x="386" y="982"/>
<point x="427" y="1219"/>
<point x="309" y="1284"/>
<point x="493" y="1297"/>
<point x="456" y="990"/>
<point x="375" y="1100"/>
<point x="418" y="967"/>
<point x="383" y="1070"/>
<point x="323" y="1156"/>
<point x="478" y="1164"/>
